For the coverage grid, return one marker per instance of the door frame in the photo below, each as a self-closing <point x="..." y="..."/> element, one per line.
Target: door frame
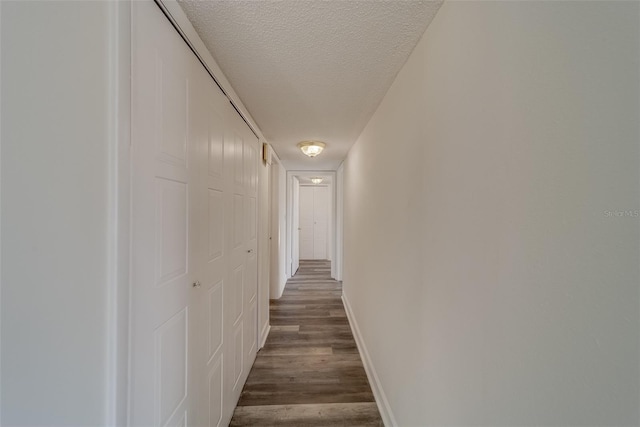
<point x="336" y="262"/>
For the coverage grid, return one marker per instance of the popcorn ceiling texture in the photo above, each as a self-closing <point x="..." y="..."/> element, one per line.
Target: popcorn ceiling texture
<point x="310" y="69"/>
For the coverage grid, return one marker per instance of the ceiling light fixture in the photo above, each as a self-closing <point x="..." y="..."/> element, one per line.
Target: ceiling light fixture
<point x="316" y="180"/>
<point x="311" y="148"/>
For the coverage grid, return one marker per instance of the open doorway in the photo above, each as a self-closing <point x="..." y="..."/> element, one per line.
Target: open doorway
<point x="311" y="218"/>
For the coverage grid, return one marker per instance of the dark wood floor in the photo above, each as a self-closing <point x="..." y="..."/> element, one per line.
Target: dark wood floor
<point x="309" y="372"/>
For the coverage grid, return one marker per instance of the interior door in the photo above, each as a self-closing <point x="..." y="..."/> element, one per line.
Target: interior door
<point x="295" y="232"/>
<point x="206" y="135"/>
<point x="306" y="222"/>
<point x="250" y="154"/>
<point x="163" y="266"/>
<point x="314" y="215"/>
<point x="274" y="223"/>
<point x="320" y="221"/>
<point x="241" y="293"/>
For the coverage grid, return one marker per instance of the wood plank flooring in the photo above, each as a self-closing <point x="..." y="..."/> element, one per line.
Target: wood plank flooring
<point x="309" y="372"/>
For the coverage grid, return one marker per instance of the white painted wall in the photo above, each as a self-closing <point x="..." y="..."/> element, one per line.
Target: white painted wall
<point x="491" y="220"/>
<point x="278" y="232"/>
<point x="58" y="128"/>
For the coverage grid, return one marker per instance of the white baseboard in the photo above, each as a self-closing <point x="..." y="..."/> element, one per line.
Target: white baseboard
<point x="378" y="393"/>
<point x="264" y="334"/>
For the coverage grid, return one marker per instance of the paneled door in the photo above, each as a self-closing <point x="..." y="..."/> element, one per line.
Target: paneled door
<point x="306" y="223"/>
<point x="194" y="227"/>
<point x="207" y="108"/>
<point x="241" y="295"/>
<point x="164" y="238"/>
<point x="314" y="215"/>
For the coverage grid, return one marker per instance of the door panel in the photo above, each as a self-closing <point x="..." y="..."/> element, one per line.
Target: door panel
<point x="162" y="232"/>
<point x="206" y="138"/>
<point x="171" y="356"/>
<point x="214" y="324"/>
<point x="238" y="360"/>
<point x="244" y="261"/>
<point x="306" y="223"/>
<point x="214" y="404"/>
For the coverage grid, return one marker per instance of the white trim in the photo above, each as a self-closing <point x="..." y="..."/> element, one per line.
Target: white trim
<point x="118" y="216"/>
<point x="264" y="335"/>
<point x="376" y="385"/>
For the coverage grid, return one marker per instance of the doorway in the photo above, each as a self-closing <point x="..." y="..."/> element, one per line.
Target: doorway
<point x="311" y="218"/>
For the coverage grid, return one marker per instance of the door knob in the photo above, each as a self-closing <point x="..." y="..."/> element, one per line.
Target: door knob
<point x="196" y="284"/>
<point x="249" y="251"/>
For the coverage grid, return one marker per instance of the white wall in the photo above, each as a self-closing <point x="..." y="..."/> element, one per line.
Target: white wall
<point x="277" y="273"/>
<point x="57" y="127"/>
<point x="490" y="274"/>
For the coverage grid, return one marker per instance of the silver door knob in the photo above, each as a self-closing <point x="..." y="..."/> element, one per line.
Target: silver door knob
<point x="249" y="251"/>
<point x="196" y="284"/>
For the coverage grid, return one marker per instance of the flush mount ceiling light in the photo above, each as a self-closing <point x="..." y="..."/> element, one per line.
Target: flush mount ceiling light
<point x="311" y="148"/>
<point x="316" y="180"/>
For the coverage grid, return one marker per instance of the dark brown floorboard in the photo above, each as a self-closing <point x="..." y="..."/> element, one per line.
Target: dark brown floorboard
<point x="309" y="372"/>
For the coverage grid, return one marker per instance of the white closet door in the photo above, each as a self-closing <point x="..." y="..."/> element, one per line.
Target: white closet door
<point x="241" y="161"/>
<point x="306" y="223"/>
<point x="206" y="135"/>
<point x="314" y="215"/>
<point x="320" y="221"/>
<point x="163" y="233"/>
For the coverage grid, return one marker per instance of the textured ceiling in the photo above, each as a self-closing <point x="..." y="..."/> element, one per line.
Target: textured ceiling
<point x="312" y="69"/>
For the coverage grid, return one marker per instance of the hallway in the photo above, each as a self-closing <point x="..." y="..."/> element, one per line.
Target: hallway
<point x="479" y="162"/>
<point x="309" y="372"/>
